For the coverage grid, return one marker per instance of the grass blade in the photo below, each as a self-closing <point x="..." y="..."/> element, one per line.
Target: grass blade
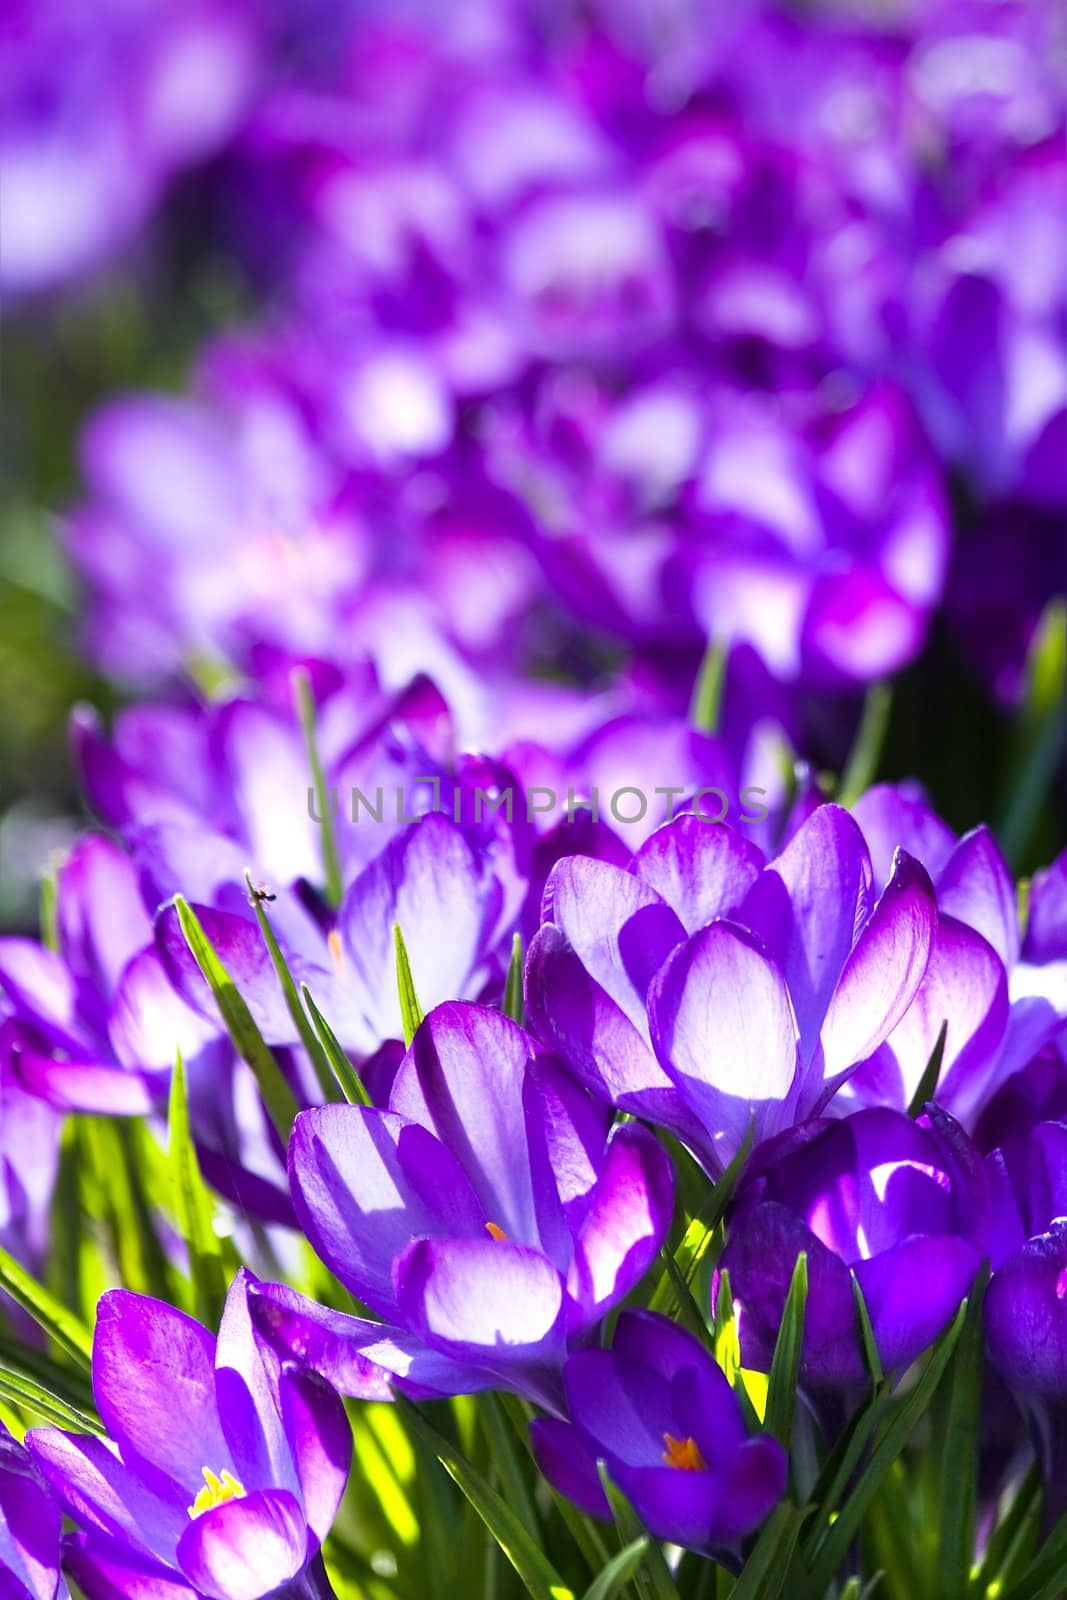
<point x="513" y="995"/>
<point x="347" y="1078"/>
<point x="308" y="1037"/>
<point x="331" y="861"/>
<point x="865" y="757"/>
<point x="619" y="1570"/>
<point x="193" y="1206"/>
<point x="785" y="1363"/>
<point x="247" y="1039"/>
<point x="61" y="1325"/>
<point x="927" y="1085"/>
<point x="537" y="1573"/>
<point x="411" y="1013"/>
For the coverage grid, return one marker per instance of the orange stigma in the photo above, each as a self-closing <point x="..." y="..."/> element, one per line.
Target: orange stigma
<point x="336" y="949"/>
<point x="683" y="1454"/>
<point x="494" y="1232"/>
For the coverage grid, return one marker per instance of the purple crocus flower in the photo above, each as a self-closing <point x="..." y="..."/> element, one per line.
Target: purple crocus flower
<point x="703" y="988"/>
<point x="660" y="1414"/>
<point x="901" y="1207"/>
<point x="488" y="1215"/>
<point x="30" y="1524"/>
<point x="233" y="1503"/>
<point x="1002" y="994"/>
<point x="95" y="1025"/>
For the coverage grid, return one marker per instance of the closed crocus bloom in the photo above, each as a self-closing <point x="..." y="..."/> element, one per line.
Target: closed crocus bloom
<point x="901" y="1207"/>
<point x="703" y="988"/>
<point x="222" y="1472"/>
<point x="29" y="1529"/>
<point x="659" y="1412"/>
<point x="487" y="1215"/>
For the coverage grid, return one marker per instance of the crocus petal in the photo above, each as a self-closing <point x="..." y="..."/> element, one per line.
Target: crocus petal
<point x="965" y="986"/>
<point x="1026" y="1315"/>
<point x="149" y="1022"/>
<point x="723" y="1027"/>
<point x="463" y="1079"/>
<point x="430" y="883"/>
<point x="84" y="1085"/>
<point x="620" y="929"/>
<point x="102" y="918"/>
<point x="807" y="905"/>
<point x="357" y="1357"/>
<point x="239" y="945"/>
<point x="364" y="1183"/>
<point x="320" y="1438"/>
<point x="976" y="887"/>
<point x="597" y="1040"/>
<point x="90" y="1480"/>
<point x="1046" y="924"/>
<point x="569" y="1466"/>
<point x="247" y="1396"/>
<point x="702" y="870"/>
<point x="628" y="1219"/>
<point x="884" y="970"/>
<point x="483" y="1301"/>
<point x="245" y="1548"/>
<point x="110" y="1571"/>
<point x="913" y="1291"/>
<point x="897" y="816"/>
<point x="151" y="1360"/>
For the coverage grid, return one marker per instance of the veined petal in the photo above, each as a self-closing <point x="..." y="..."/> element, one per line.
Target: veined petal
<point x="245" y="1548"/>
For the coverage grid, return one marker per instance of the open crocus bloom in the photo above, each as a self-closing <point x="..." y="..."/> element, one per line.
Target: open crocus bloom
<point x="488" y="1215"/>
<point x="703" y="989"/>
<point x="222" y="1473"/>
<point x="901" y="1207"/>
<point x="659" y="1412"/>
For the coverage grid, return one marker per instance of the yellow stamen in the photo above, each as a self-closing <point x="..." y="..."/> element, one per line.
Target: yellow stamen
<point x="494" y="1232"/>
<point x="336" y="949"/>
<point x="683" y="1454"/>
<point x="217" y="1490"/>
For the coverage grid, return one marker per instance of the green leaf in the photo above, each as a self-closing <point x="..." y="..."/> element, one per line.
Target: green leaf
<point x="61" y="1325"/>
<point x="898" y="1431"/>
<point x="348" y="1080"/>
<point x="502" y="1451"/>
<point x="785" y="1363"/>
<point x="193" y="1205"/>
<point x="331" y="861"/>
<point x="700" y="1235"/>
<point x="1045" y="1577"/>
<point x="619" y="1570"/>
<point x="867" y="1339"/>
<point x="411" y="1013"/>
<point x="861" y="769"/>
<point x="653" y="1579"/>
<point x="247" y="1039"/>
<point x="959" y="1455"/>
<point x="764" y="1574"/>
<point x="64" y="1385"/>
<point x="1011" y="1536"/>
<point x="29" y="1395"/>
<point x="685" y="1308"/>
<point x="927" y="1085"/>
<point x="513" y="999"/>
<point x="308" y="1037"/>
<point x="50" y="911"/>
<point x="537" y="1573"/>
<point x="706" y="704"/>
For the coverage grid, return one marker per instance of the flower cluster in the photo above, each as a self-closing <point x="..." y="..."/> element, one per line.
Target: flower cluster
<point x="475" y="997"/>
